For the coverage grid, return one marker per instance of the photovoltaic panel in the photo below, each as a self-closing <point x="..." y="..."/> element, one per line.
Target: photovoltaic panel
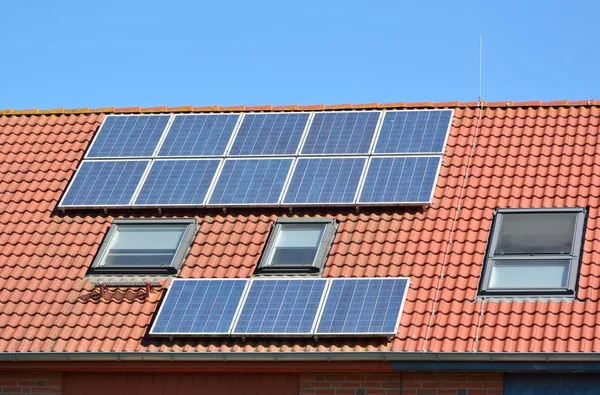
<point x="199" y="135"/>
<point x="251" y="181"/>
<point x="177" y="182"/>
<point x="400" y="180"/>
<point x="341" y="132"/>
<point x="280" y="307"/>
<point x="105" y="183"/>
<point x="128" y="136"/>
<point x="413" y="131"/>
<point x="199" y="307"/>
<point x="269" y="134"/>
<point x="324" y="180"/>
<point x="363" y="306"/>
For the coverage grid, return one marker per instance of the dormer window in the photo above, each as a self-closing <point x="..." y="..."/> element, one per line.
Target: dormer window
<point x="297" y="245"/>
<point x="534" y="252"/>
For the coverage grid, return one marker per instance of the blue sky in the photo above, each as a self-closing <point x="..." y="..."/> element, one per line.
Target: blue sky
<point x="148" y="53"/>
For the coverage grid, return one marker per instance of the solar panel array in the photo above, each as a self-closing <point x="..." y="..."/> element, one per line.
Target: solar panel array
<point x="287" y="307"/>
<point x="331" y="158"/>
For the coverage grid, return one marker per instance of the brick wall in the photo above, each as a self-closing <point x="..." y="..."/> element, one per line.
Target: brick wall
<point x="181" y="383"/>
<point x="402" y="384"/>
<point x="246" y="383"/>
<point x="30" y="383"/>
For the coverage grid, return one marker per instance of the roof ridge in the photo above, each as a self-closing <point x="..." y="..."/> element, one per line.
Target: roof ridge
<point x="296" y="107"/>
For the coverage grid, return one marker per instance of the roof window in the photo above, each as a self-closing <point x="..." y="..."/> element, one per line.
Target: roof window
<point x="297" y="245"/>
<point x="145" y="246"/>
<point x="534" y="252"/>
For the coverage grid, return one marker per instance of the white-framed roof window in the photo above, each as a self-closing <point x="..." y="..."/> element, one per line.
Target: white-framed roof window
<point x="145" y="246"/>
<point x="297" y="246"/>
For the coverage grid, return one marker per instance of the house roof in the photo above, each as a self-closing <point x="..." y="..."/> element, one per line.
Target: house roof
<point x="499" y="155"/>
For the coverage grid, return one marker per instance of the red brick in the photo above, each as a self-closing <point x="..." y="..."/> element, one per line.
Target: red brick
<point x="478" y="392"/>
<point x="320" y="384"/>
<point x="27" y="383"/>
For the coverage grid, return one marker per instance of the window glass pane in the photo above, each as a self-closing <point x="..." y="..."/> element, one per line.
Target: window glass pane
<point x="143" y="245"/>
<point x="529" y="274"/>
<point x="294" y="256"/>
<point x="548" y="233"/>
<point x="146" y="237"/>
<point x="297" y="244"/>
<point x="299" y="235"/>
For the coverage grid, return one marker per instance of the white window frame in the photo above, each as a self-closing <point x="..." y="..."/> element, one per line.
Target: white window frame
<point x="329" y="229"/>
<point x="182" y="250"/>
<point x="574" y="257"/>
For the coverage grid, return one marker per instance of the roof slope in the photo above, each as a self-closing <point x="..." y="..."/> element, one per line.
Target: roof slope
<point x="534" y="155"/>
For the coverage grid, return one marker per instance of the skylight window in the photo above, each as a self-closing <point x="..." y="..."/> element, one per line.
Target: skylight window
<point x="298" y="245"/>
<point x="534" y="252"/>
<point x="154" y="246"/>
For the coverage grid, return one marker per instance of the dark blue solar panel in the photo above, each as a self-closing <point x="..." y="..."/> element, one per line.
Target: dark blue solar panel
<point x="177" y="182"/>
<point x="269" y="134"/>
<point x="325" y="180"/>
<point x="251" y="181"/>
<point x="284" y="307"/>
<point x="341" y="133"/>
<point x="400" y="180"/>
<point x="132" y="135"/>
<point x="363" y="306"/>
<point x="199" y="135"/>
<point x="413" y="131"/>
<point x="199" y="307"/>
<point x="105" y="183"/>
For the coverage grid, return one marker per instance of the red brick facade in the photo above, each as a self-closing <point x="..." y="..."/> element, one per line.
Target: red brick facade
<point x="402" y="384"/>
<point x="251" y="383"/>
<point x="30" y="383"/>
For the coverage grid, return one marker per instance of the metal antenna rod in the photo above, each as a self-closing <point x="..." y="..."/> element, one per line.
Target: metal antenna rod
<point x="480" y="99"/>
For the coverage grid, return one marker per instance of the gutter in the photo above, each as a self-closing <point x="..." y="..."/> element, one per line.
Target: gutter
<point x="397" y="358"/>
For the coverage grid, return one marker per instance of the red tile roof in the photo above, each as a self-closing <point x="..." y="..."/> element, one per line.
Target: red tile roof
<point x="516" y="155"/>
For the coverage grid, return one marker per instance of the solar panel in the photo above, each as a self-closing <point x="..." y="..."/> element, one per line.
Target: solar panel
<point x="280" y="307"/>
<point x="105" y="183"/>
<point x="199" y="307"/>
<point x="400" y="180"/>
<point x="177" y="182"/>
<point x="199" y="135"/>
<point x="363" y="306"/>
<point x="251" y="181"/>
<point x="324" y="181"/>
<point x="413" y="131"/>
<point x="341" y="132"/>
<point x="128" y="136"/>
<point x="269" y="134"/>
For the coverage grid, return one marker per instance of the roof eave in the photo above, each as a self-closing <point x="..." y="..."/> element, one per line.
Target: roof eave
<point x="300" y="356"/>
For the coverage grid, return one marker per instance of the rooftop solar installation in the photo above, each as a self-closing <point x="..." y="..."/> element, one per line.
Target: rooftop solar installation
<point x="250" y="181"/>
<point x="325" y="181"/>
<point x="105" y="183"/>
<point x="400" y="180"/>
<point x="286" y="307"/>
<point x="128" y="136"/>
<point x="414" y="132"/>
<point x="199" y="135"/>
<point x="269" y="134"/>
<point x="199" y="307"/>
<point x="321" y="158"/>
<point x="177" y="182"/>
<point x="365" y="306"/>
<point x="341" y="132"/>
